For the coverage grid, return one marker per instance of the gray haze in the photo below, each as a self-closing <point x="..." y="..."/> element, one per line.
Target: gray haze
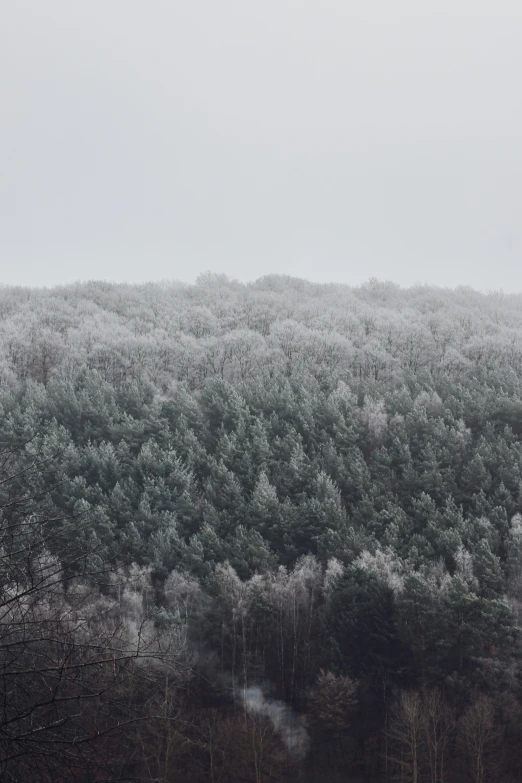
<point x="328" y="139"/>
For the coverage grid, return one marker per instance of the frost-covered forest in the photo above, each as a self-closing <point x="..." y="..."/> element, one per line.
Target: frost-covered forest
<point x="265" y="531"/>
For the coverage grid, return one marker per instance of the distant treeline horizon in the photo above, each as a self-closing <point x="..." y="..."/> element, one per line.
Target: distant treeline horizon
<point x="174" y="331"/>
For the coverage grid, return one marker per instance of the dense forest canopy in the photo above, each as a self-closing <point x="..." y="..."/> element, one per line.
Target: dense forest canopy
<point x="312" y="492"/>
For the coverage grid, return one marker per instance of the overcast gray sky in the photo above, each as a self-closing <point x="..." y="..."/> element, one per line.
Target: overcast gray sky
<point x="329" y="139"/>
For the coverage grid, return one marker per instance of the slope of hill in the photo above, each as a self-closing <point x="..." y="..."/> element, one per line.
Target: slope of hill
<point x="318" y="487"/>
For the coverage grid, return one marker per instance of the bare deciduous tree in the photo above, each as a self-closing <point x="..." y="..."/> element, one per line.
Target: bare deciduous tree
<point x="405" y="736"/>
<point x="477" y="733"/>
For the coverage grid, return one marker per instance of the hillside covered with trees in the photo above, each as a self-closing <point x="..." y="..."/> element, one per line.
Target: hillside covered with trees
<point x="265" y="531"/>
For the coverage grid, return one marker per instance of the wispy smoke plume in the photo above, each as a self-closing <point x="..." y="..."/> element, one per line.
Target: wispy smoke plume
<point x="285" y="721"/>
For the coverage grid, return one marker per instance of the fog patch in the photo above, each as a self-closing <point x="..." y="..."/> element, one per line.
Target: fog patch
<point x="288" y="724"/>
